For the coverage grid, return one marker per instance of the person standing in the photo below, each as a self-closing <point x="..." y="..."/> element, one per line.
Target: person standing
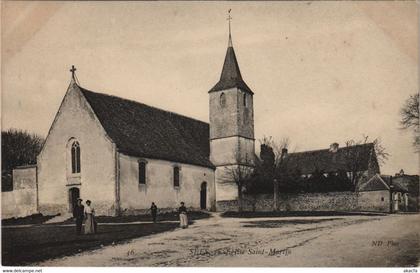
<point x="153" y="210"/>
<point x="183" y="219"/>
<point x="79" y="215"/>
<point x="90" y="218"/>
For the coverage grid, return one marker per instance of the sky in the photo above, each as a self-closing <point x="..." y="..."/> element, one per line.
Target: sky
<point x="322" y="72"/>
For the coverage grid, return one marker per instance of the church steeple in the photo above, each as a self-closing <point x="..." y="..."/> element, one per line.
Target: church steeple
<point x="231" y="124"/>
<point x="231" y="75"/>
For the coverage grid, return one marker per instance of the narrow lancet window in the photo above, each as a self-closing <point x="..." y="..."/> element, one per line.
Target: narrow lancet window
<point x="176" y="176"/>
<point x="142" y="172"/>
<point x="75" y="157"/>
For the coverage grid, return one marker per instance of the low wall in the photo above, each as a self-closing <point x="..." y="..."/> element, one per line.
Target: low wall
<point x="23" y="200"/>
<point x="330" y="201"/>
<point x="18" y="203"/>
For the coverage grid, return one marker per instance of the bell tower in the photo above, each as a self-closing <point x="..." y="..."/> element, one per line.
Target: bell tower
<point x="231" y="125"/>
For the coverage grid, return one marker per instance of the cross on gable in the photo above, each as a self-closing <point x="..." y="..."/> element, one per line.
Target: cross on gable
<point x="73" y="70"/>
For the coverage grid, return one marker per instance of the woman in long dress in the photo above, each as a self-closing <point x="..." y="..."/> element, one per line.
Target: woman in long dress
<point x="90" y="218"/>
<point x="183" y="219"/>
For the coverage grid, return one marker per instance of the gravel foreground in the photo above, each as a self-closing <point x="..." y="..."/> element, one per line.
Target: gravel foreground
<point x="330" y="241"/>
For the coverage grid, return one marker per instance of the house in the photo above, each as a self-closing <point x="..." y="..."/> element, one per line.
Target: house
<point x="358" y="162"/>
<point x="382" y="193"/>
<point x="123" y="155"/>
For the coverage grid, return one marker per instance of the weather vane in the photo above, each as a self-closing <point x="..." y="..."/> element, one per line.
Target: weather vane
<point x="229" y="19"/>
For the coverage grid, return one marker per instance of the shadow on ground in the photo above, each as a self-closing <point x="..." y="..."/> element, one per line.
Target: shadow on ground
<point x="28" y="220"/>
<point x="168" y="216"/>
<point x="282" y="223"/>
<point x="262" y="214"/>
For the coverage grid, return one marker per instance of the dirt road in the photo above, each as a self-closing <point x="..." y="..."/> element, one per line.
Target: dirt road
<point x="379" y="241"/>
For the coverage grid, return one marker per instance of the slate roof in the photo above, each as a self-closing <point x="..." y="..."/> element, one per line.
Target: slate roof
<point x="344" y="159"/>
<point x="144" y="131"/>
<point x="231" y="75"/>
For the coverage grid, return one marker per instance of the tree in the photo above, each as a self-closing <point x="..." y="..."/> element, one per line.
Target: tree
<point x="274" y="164"/>
<point x="18" y="148"/>
<point x="410" y="118"/>
<point x="355" y="154"/>
<point x="241" y="175"/>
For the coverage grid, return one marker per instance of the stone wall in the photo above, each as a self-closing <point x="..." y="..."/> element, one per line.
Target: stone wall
<point x="331" y="201"/>
<point x="22" y="201"/>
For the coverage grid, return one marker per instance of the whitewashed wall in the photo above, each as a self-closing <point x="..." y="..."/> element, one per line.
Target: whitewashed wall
<point x="374" y="201"/>
<point x="231" y="150"/>
<point x="75" y="119"/>
<point x="159" y="186"/>
<point x="22" y="201"/>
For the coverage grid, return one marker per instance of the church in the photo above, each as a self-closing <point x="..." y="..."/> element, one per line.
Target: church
<point x="123" y="155"/>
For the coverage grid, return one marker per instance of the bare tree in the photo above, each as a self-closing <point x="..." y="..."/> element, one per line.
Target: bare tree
<point x="241" y="175"/>
<point x="358" y="153"/>
<point x="410" y="118"/>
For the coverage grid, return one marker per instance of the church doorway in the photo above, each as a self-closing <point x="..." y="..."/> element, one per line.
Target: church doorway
<point x="203" y="195"/>
<point x="74" y="194"/>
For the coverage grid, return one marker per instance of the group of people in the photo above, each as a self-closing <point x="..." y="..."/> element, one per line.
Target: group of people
<point x="182" y="211"/>
<point x="84" y="214"/>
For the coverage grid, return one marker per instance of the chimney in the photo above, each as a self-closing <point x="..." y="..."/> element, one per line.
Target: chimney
<point x="334" y="147"/>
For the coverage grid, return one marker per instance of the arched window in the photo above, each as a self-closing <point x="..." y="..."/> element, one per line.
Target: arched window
<point x="176" y="176"/>
<point x="222" y="99"/>
<point x="142" y="172"/>
<point x="75" y="157"/>
<point x="244" y="99"/>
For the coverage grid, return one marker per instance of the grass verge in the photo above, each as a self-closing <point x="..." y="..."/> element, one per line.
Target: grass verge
<point x="25" y="245"/>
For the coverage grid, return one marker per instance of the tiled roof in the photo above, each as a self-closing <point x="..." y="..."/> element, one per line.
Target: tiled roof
<point x="383" y="182"/>
<point x="144" y="131"/>
<point x="231" y="75"/>
<point x="327" y="161"/>
<point x="376" y="183"/>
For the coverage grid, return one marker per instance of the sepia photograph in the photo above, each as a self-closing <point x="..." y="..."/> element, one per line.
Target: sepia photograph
<point x="210" y="134"/>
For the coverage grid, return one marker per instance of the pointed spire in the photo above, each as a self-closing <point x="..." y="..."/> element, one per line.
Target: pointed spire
<point x="231" y="69"/>
<point x="231" y="74"/>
